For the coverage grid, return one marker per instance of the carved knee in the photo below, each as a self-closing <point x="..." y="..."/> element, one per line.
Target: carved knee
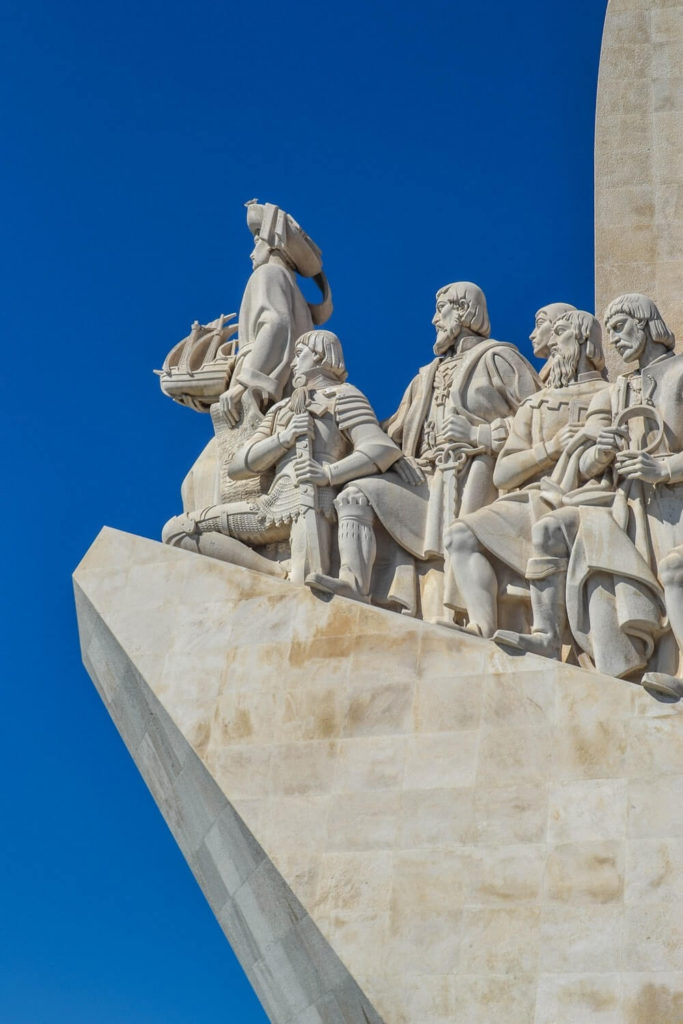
<point x="547" y="538"/>
<point x="459" y="540"/>
<point x="351" y="503"/>
<point x="671" y="569"/>
<point x="179" y="529"/>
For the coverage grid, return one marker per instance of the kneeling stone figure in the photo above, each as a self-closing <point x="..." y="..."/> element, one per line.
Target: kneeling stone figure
<point x="323" y="435"/>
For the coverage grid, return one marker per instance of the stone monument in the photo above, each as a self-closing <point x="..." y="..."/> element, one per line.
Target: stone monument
<point x="407" y="694"/>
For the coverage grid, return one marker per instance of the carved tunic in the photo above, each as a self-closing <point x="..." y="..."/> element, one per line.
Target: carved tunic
<point x="624" y="542"/>
<point x="273" y="314"/>
<point x="504" y="527"/>
<point x="489" y="380"/>
<point x="342" y="422"/>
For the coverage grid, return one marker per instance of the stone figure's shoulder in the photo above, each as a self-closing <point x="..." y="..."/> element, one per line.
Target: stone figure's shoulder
<point x="672" y="367"/>
<point x="271" y="274"/>
<point x="350" y="404"/>
<point x="593" y="387"/>
<point x="538" y="399"/>
<point x="498" y="352"/>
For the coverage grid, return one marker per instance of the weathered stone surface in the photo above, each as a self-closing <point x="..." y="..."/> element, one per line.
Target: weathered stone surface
<point x="639" y="158"/>
<point x="390" y="818"/>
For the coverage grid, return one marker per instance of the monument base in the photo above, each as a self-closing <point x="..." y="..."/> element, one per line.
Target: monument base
<point x="392" y="821"/>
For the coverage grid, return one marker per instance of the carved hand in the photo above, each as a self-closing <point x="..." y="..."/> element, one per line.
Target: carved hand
<point x="297" y="426"/>
<point x="308" y="471"/>
<point x="457" y="428"/>
<point x="561" y="440"/>
<point x="642" y="466"/>
<point x="230" y="403"/>
<point x="409" y="471"/>
<point x="609" y="443"/>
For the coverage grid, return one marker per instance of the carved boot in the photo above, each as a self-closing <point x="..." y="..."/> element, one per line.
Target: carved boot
<point x="548" y="577"/>
<point x="198" y="532"/>
<point x="357" y="549"/>
<point x="661" y="684"/>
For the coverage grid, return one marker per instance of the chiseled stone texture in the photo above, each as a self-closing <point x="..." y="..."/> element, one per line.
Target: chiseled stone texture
<point x="639" y="159"/>
<point x="478" y="837"/>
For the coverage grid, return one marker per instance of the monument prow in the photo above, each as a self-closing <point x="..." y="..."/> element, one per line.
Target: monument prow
<point x="391" y="821"/>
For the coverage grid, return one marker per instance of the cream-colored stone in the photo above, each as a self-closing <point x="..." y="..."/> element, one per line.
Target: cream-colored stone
<point x="655" y="808"/>
<point x="370" y="763"/>
<point x="500" y="940"/>
<point x="581" y="938"/>
<point x="506" y="875"/>
<point x="638" y="145"/>
<point x="449" y="703"/>
<point x="654" y="870"/>
<point x="364" y="821"/>
<point x="650" y="997"/>
<point x="577" y="873"/>
<point x="519" y="755"/>
<point x="584" y="998"/>
<point x="653" y="936"/>
<point x="446" y="759"/>
<point x="427" y="910"/>
<point x="505" y="813"/>
<point x="655" y="747"/>
<point x="436" y="818"/>
<point x="588" y="810"/>
<point x="481" y="856"/>
<point x="590" y="747"/>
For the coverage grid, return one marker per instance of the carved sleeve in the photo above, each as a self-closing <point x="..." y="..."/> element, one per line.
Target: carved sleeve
<point x="512" y="380"/>
<point x="261" y="451"/>
<point x="373" y="451"/>
<point x="265" y="357"/>
<point x="598" y="417"/>
<point x="520" y="459"/>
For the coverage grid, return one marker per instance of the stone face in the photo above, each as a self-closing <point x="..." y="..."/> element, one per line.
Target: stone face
<point x="639" y="158"/>
<point x="390" y="820"/>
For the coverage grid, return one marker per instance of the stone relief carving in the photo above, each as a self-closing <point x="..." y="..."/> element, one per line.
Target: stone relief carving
<point x="238" y="382"/>
<point x="490" y="548"/>
<point x="450" y="424"/>
<point x="324" y="434"/>
<point x="607" y="564"/>
<point x="543" y="511"/>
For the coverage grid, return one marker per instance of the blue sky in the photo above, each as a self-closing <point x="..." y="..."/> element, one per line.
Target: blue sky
<point x="418" y="143"/>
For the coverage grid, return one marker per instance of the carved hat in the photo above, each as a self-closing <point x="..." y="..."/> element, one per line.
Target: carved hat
<point x="280" y="231"/>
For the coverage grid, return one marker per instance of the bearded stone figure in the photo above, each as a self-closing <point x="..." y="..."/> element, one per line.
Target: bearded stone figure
<point x="490" y="548"/>
<point x="309" y="444"/>
<point x="608" y="563"/>
<point x="452" y="422"/>
<point x="542" y="332"/>
<point x="253" y="372"/>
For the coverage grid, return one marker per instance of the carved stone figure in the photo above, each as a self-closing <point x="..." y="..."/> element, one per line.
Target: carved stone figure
<point x="489" y="549"/>
<point x="451" y="423"/>
<point x="274" y="312"/>
<point x="609" y="562"/>
<point x="543" y="329"/>
<point x="237" y="380"/>
<point x="324" y="434"/>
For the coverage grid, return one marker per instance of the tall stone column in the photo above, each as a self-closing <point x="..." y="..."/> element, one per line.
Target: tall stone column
<point x="639" y="158"/>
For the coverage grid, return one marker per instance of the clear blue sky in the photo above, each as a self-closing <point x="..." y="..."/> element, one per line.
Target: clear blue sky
<point x="418" y="143"/>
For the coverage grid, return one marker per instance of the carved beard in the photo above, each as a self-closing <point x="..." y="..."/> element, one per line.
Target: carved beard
<point x="563" y="367"/>
<point x="446" y="339"/>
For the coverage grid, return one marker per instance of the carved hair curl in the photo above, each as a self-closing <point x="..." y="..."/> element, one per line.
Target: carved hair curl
<point x="588" y="332"/>
<point x="642" y="309"/>
<point x="475" y="314"/>
<point x="327" y="347"/>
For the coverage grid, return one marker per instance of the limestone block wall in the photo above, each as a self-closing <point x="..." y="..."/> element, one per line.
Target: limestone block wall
<point x="476" y="837"/>
<point x="639" y="158"/>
